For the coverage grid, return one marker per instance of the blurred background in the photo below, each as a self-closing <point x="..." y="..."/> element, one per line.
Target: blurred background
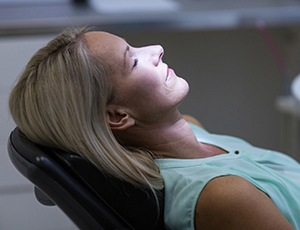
<point x="238" y="56"/>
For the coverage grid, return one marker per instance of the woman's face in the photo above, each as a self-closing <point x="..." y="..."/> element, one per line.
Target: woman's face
<point x="142" y="83"/>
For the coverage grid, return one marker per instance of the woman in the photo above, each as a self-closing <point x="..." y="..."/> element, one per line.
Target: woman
<point x="92" y="93"/>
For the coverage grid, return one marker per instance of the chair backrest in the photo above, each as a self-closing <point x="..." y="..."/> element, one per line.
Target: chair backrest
<point x="89" y="197"/>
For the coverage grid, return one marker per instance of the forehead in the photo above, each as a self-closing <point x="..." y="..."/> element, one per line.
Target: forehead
<point x="103" y="42"/>
<point x="109" y="48"/>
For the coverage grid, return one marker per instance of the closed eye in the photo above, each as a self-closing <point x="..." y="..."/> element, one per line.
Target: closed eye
<point x="135" y="62"/>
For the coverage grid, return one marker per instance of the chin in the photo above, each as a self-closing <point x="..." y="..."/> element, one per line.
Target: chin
<point x="185" y="86"/>
<point x="182" y="91"/>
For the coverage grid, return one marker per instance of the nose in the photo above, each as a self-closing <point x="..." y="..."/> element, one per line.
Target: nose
<point x="156" y="54"/>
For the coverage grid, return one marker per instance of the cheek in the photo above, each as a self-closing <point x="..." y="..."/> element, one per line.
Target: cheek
<point x="144" y="82"/>
<point x="141" y="88"/>
<point x="145" y="91"/>
<point x="132" y="93"/>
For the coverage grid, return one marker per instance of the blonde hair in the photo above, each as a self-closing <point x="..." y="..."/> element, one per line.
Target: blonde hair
<point x="60" y="101"/>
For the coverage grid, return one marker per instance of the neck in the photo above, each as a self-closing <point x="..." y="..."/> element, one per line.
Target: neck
<point x="173" y="139"/>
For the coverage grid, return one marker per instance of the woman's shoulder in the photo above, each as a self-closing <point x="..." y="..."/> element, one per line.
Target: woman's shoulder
<point x="232" y="202"/>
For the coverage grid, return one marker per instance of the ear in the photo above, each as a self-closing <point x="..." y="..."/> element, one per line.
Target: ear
<point x="119" y="118"/>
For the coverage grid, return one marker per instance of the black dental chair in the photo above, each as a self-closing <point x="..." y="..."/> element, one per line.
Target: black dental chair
<point x="90" y="198"/>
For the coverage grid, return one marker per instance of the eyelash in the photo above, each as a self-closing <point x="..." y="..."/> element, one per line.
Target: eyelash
<point x="135" y="62"/>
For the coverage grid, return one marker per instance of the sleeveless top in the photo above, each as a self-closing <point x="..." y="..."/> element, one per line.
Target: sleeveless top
<point x="274" y="173"/>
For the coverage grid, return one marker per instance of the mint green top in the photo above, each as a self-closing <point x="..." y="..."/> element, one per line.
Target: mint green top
<point x="276" y="174"/>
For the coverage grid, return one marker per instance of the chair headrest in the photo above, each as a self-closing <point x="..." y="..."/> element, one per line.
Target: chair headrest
<point x="136" y="205"/>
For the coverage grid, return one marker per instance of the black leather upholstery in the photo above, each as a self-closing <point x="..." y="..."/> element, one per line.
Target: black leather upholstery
<point x="92" y="199"/>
